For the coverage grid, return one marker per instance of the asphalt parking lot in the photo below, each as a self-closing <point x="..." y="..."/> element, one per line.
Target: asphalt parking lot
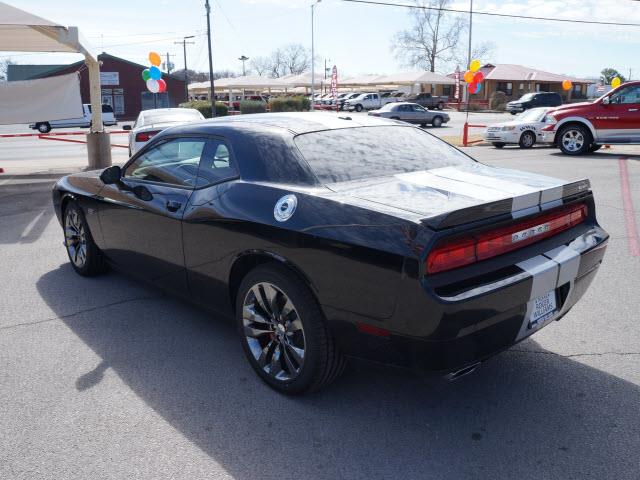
<point x="107" y="378"/>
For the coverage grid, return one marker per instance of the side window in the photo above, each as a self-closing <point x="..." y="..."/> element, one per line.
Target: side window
<point x="627" y="95"/>
<point x="174" y="162"/>
<point x="216" y="164"/>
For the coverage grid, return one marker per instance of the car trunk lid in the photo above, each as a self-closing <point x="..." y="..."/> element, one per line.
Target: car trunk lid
<point x="451" y="196"/>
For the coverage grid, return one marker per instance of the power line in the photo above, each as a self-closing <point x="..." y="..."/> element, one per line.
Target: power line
<point x="490" y="14"/>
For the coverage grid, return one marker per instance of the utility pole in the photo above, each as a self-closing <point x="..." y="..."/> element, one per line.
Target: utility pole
<point x="211" y="87"/>
<point x="169" y="65"/>
<point x="243" y="59"/>
<point x="186" y="78"/>
<point x="313" y="60"/>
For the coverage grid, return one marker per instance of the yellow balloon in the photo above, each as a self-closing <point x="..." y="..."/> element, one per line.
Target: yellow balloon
<point x="475" y="65"/>
<point x="615" y="83"/>
<point x="154" y="58"/>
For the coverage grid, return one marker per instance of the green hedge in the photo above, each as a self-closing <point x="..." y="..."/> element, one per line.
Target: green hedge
<point x="204" y="107"/>
<point x="252" y="106"/>
<point x="289" y="104"/>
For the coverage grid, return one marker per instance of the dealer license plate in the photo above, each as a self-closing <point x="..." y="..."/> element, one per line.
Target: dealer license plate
<point x="543" y="308"/>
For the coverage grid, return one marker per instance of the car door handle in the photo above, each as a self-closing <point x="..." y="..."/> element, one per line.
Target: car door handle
<point x="173" y="206"/>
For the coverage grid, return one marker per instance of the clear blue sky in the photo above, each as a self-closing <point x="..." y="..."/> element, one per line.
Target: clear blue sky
<point x="356" y="37"/>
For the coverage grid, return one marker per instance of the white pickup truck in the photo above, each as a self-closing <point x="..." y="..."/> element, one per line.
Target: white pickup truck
<point x="108" y="119"/>
<point x="364" y="101"/>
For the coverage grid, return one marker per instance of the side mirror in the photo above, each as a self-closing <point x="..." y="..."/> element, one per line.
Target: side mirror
<point x="126" y="127"/>
<point x="606" y="101"/>
<point x="111" y="175"/>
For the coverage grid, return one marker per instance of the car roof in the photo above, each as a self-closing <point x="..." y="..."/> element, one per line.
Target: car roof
<point x="293" y="122"/>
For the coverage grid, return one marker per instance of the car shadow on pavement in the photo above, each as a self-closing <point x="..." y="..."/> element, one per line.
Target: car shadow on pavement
<point x="25" y="207"/>
<point x="527" y="413"/>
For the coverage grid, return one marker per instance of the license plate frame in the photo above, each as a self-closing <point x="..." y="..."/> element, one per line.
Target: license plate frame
<point x="543" y="308"/>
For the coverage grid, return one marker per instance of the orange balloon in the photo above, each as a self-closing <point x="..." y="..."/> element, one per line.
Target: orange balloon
<point x="154" y="58"/>
<point x="468" y="76"/>
<point x="566" y="84"/>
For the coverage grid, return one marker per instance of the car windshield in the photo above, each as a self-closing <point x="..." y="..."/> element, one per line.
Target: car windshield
<point x="168" y="117"/>
<point x="526" y="97"/>
<point x="533" y="115"/>
<point x="365" y="152"/>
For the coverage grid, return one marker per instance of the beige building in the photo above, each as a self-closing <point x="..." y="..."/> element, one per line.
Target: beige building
<point x="516" y="80"/>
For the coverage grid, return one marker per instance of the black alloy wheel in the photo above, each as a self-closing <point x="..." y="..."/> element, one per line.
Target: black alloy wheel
<point x="284" y="333"/>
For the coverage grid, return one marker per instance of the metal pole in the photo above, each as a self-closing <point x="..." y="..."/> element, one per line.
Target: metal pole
<point x="186" y="78"/>
<point x="469" y="53"/>
<point x="243" y="59"/>
<point x="211" y="86"/>
<point x="313" y="52"/>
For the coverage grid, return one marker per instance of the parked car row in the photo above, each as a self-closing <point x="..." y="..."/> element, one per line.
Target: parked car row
<point x="360" y="101"/>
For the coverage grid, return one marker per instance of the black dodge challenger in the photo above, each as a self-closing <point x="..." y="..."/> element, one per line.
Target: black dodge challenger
<point x="330" y="237"/>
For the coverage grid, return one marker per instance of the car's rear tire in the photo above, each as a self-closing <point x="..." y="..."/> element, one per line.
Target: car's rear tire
<point x="498" y="144"/>
<point x="85" y="256"/>
<point x="527" y="139"/>
<point x="594" y="148"/>
<point x="394" y="118"/>
<point x="43" y="127"/>
<point x="574" y="139"/>
<point x="292" y="352"/>
<point x="440" y="106"/>
<point x="358" y="108"/>
<point x="437" y="121"/>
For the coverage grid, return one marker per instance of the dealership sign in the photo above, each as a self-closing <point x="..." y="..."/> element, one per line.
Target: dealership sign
<point x="334" y="85"/>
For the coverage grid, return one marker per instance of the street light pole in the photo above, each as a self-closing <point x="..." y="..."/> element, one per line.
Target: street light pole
<point x="243" y="59"/>
<point x="313" y="59"/>
<point x="186" y="78"/>
<point x="211" y="86"/>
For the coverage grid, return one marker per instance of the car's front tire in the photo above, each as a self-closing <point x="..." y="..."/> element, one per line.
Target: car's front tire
<point x="527" y="139"/>
<point x="498" y="144"/>
<point x="574" y="139"/>
<point x="85" y="256"/>
<point x="358" y="108"/>
<point x="283" y="332"/>
<point x="437" y="121"/>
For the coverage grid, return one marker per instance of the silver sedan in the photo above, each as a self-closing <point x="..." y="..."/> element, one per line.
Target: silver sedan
<point x="411" y="113"/>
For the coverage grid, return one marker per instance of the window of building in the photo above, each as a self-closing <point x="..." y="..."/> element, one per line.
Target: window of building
<point x="506" y="87"/>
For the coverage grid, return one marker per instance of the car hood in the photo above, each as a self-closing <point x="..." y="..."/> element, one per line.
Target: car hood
<point x="450" y="196"/>
<point x="571" y="106"/>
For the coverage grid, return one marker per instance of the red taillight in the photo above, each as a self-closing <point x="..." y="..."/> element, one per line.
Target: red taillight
<point x="450" y="254"/>
<point x="146" y="136"/>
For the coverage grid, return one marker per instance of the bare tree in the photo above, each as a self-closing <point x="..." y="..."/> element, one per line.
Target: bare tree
<point x="482" y="51"/>
<point x="260" y="65"/>
<point x="296" y="58"/>
<point x="433" y="39"/>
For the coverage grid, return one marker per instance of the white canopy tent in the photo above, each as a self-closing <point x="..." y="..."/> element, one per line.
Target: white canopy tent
<point x="412" y="78"/>
<point x="22" y="31"/>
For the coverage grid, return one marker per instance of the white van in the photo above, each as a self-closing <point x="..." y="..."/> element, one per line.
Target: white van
<point x="108" y="119"/>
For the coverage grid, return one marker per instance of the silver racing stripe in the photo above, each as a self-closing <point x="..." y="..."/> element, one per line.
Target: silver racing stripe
<point x="568" y="260"/>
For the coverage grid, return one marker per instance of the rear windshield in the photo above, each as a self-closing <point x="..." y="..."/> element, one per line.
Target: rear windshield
<point x="364" y="152"/>
<point x="164" y="117"/>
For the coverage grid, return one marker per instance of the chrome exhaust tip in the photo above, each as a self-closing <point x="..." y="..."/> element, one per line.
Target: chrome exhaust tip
<point x="455" y="375"/>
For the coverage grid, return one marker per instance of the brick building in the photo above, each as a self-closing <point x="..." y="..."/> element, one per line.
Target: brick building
<point x="121" y="82"/>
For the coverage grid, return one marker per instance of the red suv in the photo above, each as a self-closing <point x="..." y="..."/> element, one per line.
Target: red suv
<point x="614" y="118"/>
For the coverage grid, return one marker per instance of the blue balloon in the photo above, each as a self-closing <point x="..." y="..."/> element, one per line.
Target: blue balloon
<point x="155" y="73"/>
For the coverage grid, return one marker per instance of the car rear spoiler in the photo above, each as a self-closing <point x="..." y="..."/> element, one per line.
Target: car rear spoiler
<point x="517" y="206"/>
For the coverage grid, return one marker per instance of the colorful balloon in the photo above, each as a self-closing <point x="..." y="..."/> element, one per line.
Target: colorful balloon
<point x="615" y="83"/>
<point x="475" y="65"/>
<point x="473" y="88"/>
<point x="566" y="84"/>
<point x="154" y="58"/>
<point x="153" y="86"/>
<point x="145" y="74"/>
<point x="155" y="73"/>
<point x="478" y="77"/>
<point x="468" y="76"/>
<point x="163" y="85"/>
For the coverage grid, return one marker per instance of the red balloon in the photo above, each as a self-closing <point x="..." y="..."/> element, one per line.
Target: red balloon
<point x="478" y="77"/>
<point x="473" y="88"/>
<point x="163" y="85"/>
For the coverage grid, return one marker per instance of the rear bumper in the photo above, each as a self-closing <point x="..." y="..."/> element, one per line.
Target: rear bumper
<point x="474" y="324"/>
